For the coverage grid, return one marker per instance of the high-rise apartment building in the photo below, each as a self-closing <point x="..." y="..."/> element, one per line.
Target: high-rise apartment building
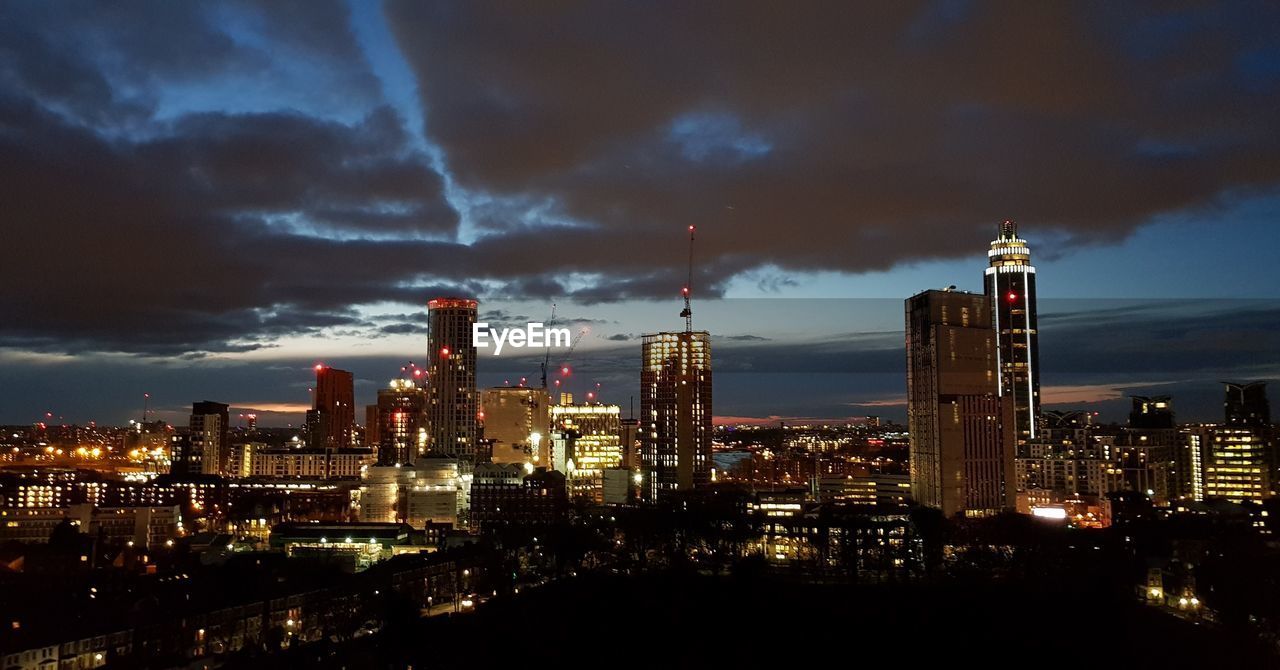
<point x="1238" y="468"/>
<point x="962" y="455"/>
<point x="675" y="411"/>
<point x="333" y="416"/>
<point x="1010" y="283"/>
<point x="1240" y="464"/>
<point x="206" y="449"/>
<point x="451" y="392"/>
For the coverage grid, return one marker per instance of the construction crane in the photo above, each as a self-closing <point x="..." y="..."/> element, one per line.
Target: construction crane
<point x="564" y="365"/>
<point x="687" y="312"/>
<point x="546" y="359"/>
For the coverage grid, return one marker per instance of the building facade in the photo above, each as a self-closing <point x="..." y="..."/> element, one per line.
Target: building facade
<point x="311" y="463"/>
<point x="587" y="441"/>
<point x="1246" y="404"/>
<point x="508" y="497"/>
<point x="961" y="452"/>
<point x="429" y="491"/>
<point x="1010" y="283"/>
<point x="451" y="395"/>
<point x="675" y="411"/>
<point x="333" y="416"/>
<point x="205" y="449"/>
<point x="398" y="423"/>
<point x="518" y="421"/>
<point x="1237" y="467"/>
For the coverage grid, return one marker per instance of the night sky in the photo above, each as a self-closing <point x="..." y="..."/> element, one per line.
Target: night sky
<point x="201" y="200"/>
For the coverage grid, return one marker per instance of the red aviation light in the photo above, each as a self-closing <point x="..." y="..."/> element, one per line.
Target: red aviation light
<point x="444" y="352"/>
<point x="1012" y="296"/>
<point x="319" y="367"/>
<point x="564" y="370"/>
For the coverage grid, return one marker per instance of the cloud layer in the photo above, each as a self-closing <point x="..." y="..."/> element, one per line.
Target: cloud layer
<point x="840" y="136"/>
<point x="185" y="178"/>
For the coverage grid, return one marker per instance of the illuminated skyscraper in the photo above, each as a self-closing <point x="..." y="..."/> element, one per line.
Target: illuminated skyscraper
<point x="401" y="423"/>
<point x="961" y="455"/>
<point x="675" y="411"/>
<point x="518" y="420"/>
<point x="451" y="392"/>
<point x="333" y="413"/>
<point x="1011" y="290"/>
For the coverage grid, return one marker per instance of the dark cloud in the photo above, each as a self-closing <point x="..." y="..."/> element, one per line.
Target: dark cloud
<point x="147" y="227"/>
<point x="583" y="138"/>
<point x="110" y="63"/>
<point x="886" y="132"/>
<point x="404" y="328"/>
<point x="198" y="239"/>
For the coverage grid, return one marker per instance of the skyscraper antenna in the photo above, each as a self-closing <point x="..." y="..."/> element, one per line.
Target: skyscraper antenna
<point x="687" y="313"/>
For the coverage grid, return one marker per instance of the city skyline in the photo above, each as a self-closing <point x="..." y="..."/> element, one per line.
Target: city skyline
<point x="362" y="333"/>
<point x="841" y="375"/>
<point x="836" y="186"/>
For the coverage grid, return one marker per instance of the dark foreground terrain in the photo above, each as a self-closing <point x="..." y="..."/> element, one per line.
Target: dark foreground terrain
<point x="697" y="621"/>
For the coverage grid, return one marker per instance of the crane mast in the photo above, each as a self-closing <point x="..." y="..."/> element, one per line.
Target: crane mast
<point x="687" y="312"/>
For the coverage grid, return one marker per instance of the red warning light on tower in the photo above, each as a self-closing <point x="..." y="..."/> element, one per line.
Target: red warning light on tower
<point x="1012" y="297"/>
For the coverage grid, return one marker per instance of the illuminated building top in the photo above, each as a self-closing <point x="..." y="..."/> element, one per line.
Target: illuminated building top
<point x="1009" y="253"/>
<point x="452" y="303"/>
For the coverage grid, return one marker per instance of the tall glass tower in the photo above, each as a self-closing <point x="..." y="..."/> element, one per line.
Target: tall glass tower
<point x="1011" y="289"/>
<point x="452" y="402"/>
